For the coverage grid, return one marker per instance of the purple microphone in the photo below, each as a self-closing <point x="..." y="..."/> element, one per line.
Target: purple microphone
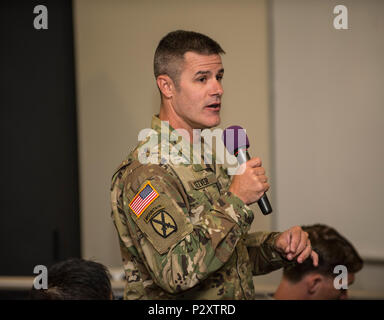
<point x="236" y="141"/>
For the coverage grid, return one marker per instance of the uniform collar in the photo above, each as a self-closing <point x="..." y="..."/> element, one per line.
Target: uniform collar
<point x="158" y="124"/>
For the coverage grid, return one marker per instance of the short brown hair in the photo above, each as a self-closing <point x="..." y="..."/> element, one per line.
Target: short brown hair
<point x="170" y="52"/>
<point x="333" y="249"/>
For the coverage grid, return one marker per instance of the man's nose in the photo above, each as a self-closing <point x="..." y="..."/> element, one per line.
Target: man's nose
<point x="217" y="89"/>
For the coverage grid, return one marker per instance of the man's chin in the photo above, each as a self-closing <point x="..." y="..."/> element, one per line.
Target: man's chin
<point x="206" y="122"/>
<point x="212" y="122"/>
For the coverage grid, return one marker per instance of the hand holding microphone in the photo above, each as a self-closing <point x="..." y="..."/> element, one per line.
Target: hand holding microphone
<point x="251" y="185"/>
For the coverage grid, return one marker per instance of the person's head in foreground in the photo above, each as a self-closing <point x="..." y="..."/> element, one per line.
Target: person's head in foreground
<point x="76" y="279"/>
<point x="306" y="282"/>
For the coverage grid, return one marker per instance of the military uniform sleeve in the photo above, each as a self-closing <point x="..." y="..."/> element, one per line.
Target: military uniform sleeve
<point x="177" y="253"/>
<point x="263" y="256"/>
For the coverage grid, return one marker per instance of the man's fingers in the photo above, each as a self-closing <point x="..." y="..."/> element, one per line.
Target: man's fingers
<point x="282" y="242"/>
<point x="262" y="179"/>
<point x="254" y="162"/>
<point x="296" y="238"/>
<point x="302" y="245"/>
<point x="294" y="242"/>
<point x="261" y="184"/>
<point x="306" y="252"/>
<point x="315" y="258"/>
<point x="288" y="239"/>
<point x="259" y="171"/>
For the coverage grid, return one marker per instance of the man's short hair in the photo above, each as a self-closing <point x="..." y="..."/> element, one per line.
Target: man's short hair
<point x="76" y="279"/>
<point x="169" y="54"/>
<point x="333" y="249"/>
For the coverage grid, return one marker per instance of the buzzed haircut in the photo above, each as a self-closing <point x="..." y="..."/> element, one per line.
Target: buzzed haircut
<point x="76" y="279"/>
<point x="333" y="249"/>
<point x="169" y="55"/>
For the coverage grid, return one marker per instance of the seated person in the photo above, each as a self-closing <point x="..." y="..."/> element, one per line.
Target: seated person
<point x="306" y="282"/>
<point x="76" y="279"/>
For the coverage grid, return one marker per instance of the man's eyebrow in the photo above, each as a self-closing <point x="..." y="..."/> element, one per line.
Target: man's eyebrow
<point x="207" y="72"/>
<point x="202" y="72"/>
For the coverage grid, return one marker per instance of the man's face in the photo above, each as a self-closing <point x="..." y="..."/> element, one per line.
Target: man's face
<point x="197" y="101"/>
<point x="327" y="290"/>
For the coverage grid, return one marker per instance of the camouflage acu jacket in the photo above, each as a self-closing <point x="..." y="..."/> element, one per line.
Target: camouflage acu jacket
<point x="182" y="234"/>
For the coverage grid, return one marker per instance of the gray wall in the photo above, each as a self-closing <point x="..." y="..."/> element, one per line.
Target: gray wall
<point x="328" y="121"/>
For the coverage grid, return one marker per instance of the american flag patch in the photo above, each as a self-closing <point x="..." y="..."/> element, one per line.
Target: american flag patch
<point x="143" y="199"/>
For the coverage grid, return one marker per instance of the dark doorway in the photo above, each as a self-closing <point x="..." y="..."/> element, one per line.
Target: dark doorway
<point x="39" y="208"/>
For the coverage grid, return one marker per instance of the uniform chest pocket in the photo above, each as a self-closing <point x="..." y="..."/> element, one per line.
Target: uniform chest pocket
<point x="201" y="186"/>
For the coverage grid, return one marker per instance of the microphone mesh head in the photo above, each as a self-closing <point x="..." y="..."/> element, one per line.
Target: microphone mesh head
<point x="235" y="137"/>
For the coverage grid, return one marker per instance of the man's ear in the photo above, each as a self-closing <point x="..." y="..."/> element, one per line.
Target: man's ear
<point x="166" y="85"/>
<point x="313" y="282"/>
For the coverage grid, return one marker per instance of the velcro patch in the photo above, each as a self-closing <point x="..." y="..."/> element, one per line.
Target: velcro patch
<point x="149" y="214"/>
<point x="204" y="182"/>
<point x="143" y="199"/>
<point x="164" y="224"/>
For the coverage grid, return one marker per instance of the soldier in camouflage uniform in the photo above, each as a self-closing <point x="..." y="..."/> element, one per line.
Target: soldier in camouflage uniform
<point x="183" y="225"/>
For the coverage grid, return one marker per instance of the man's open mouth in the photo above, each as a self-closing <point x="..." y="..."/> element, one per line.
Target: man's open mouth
<point x="214" y="106"/>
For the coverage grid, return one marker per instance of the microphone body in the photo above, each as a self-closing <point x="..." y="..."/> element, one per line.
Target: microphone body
<point x="242" y="156"/>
